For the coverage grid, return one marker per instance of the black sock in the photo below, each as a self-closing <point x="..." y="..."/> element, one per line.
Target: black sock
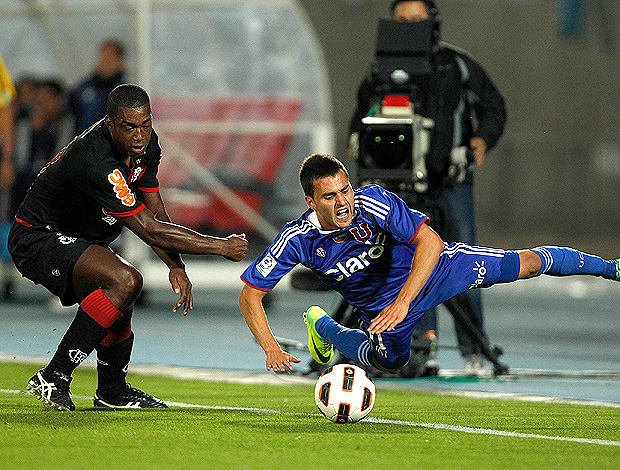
<point x="79" y="341"/>
<point x="112" y="363"/>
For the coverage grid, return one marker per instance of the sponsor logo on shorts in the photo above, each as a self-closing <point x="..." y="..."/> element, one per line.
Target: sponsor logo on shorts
<point x="65" y="239"/>
<point x="482" y="270"/>
<point x="321" y="252"/>
<point x="77" y="356"/>
<point x="121" y="188"/>
<point x="266" y="265"/>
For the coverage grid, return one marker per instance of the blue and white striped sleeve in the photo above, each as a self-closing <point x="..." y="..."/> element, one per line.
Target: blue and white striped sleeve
<point x="283" y="254"/>
<point x="390" y="212"/>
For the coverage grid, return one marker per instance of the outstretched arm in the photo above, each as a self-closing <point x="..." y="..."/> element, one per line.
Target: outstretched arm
<point x="251" y="304"/>
<point x="429" y="246"/>
<point x="175" y="238"/>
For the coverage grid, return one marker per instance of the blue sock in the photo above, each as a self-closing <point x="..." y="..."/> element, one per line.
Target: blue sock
<point x="563" y="261"/>
<point x="352" y="343"/>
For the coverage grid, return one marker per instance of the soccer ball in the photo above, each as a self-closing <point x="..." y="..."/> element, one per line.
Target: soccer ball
<point x="344" y="393"/>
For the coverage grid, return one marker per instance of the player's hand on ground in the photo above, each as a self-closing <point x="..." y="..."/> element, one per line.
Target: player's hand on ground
<point x="389" y="317"/>
<point x="236" y="247"/>
<point x="280" y="361"/>
<point x="182" y="286"/>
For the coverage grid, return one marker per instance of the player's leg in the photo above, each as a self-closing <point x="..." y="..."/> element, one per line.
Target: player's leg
<point x="105" y="286"/>
<point x="565" y="261"/>
<point x="112" y="283"/>
<point x="388" y="351"/>
<point x="324" y="333"/>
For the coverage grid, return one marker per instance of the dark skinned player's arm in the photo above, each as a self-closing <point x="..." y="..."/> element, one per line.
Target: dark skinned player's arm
<point x="154" y="203"/>
<point x="171" y="237"/>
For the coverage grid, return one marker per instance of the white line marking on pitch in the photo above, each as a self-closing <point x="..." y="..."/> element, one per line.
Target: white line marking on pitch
<point x="448" y="427"/>
<point x="370" y="419"/>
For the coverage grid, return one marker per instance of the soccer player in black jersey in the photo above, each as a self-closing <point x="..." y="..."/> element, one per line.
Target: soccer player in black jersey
<point x="103" y="180"/>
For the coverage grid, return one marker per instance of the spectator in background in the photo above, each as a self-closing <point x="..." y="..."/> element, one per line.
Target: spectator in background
<point x="41" y="132"/>
<point x="25" y="101"/>
<point x="7" y="95"/>
<point x="7" y="139"/>
<point x="88" y="101"/>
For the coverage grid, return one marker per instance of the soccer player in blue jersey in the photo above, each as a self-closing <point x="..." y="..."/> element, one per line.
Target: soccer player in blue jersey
<point x="387" y="262"/>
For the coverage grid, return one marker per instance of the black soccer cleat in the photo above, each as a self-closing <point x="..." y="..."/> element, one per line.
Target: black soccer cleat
<point x="52" y="388"/>
<point x="126" y="397"/>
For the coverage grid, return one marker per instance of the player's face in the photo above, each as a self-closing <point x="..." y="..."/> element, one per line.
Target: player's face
<point x="131" y="130"/>
<point x="408" y="12"/>
<point x="333" y="201"/>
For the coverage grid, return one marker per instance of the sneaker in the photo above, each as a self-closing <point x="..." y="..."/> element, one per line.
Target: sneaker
<point x="321" y="350"/>
<point x="475" y="366"/>
<point x="431" y="366"/>
<point x="52" y="388"/>
<point x="126" y="397"/>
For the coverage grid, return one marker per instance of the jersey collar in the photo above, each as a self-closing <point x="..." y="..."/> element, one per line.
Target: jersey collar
<point x="314" y="220"/>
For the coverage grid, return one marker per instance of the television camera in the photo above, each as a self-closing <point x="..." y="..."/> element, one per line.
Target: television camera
<point x="395" y="136"/>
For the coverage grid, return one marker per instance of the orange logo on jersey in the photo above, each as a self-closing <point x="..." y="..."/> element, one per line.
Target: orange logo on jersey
<point x="121" y="189"/>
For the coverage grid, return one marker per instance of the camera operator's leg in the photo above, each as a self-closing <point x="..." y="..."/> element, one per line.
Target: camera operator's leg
<point x="458" y="207"/>
<point x="424" y="361"/>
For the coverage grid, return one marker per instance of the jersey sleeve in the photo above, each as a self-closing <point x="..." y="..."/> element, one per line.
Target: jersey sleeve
<point x="277" y="261"/>
<point x="392" y="213"/>
<point x="108" y="186"/>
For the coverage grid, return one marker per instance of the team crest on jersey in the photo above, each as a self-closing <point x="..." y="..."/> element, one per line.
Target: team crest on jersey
<point x="266" y="265"/>
<point x="136" y="174"/>
<point x="121" y="188"/>
<point x="107" y="218"/>
<point x="320" y="251"/>
<point x="362" y="232"/>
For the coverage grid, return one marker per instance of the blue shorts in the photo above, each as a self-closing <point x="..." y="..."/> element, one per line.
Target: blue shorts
<point x="460" y="267"/>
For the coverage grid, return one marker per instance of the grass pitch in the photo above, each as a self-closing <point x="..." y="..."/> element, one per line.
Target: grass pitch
<point x="234" y="426"/>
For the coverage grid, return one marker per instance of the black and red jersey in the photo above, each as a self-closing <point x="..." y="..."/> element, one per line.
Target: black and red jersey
<point x="84" y="189"/>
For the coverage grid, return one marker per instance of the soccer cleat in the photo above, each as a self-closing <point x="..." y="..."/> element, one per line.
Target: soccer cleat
<point x="126" y="397"/>
<point x="321" y="350"/>
<point x="617" y="263"/>
<point x="52" y="388"/>
<point x="476" y="367"/>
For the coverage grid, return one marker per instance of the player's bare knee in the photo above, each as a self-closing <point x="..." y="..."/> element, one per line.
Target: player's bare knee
<point x="530" y="264"/>
<point x="128" y="285"/>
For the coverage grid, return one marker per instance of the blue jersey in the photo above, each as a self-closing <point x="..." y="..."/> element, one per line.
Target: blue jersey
<point x="367" y="263"/>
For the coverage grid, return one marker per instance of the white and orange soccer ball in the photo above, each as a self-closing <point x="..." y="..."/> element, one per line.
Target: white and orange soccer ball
<point x="344" y="393"/>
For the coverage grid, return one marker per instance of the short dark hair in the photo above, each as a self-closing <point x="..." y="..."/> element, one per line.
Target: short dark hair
<point x="396" y="2"/>
<point x="55" y="85"/>
<point x="118" y="46"/>
<point x="126" y="96"/>
<point x="317" y="166"/>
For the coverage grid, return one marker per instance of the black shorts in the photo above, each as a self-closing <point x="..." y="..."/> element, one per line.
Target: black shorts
<point x="47" y="257"/>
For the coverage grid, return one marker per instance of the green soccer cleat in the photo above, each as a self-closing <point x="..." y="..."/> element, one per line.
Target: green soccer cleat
<point x="617" y="269"/>
<point x="321" y="350"/>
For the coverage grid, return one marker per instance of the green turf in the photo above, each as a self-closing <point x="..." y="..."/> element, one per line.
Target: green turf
<point x="295" y="438"/>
